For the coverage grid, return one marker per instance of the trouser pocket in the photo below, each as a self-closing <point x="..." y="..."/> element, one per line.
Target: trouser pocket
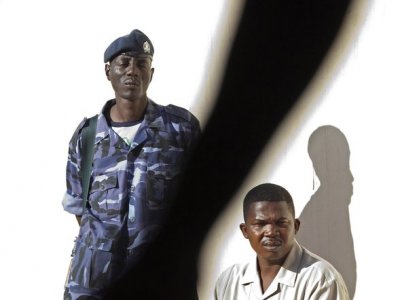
<point x="80" y="267"/>
<point x="101" y="268"/>
<point x="94" y="266"/>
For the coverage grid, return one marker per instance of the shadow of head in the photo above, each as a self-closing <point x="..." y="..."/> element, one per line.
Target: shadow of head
<point x="330" y="155"/>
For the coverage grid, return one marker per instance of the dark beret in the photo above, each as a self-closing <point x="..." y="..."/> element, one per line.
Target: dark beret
<point x="133" y="44"/>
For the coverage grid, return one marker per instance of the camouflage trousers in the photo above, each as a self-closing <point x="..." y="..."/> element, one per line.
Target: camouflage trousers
<point x="94" y="269"/>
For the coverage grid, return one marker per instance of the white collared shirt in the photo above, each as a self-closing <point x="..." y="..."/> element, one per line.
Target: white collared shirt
<point x="303" y="275"/>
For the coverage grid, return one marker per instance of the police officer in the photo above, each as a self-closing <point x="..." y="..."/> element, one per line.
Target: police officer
<point x="140" y="152"/>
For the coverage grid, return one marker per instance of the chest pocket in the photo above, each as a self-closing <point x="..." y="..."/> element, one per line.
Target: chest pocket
<point x="104" y="194"/>
<point x="162" y="184"/>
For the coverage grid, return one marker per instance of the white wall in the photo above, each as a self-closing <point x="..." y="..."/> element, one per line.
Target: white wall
<point x="52" y="76"/>
<point x="357" y="91"/>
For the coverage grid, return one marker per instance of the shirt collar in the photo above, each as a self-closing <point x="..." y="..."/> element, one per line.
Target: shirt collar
<point x="152" y="119"/>
<point x="288" y="273"/>
<point x="251" y="273"/>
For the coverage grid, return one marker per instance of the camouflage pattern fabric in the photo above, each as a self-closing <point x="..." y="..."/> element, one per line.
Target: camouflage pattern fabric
<point x="130" y="192"/>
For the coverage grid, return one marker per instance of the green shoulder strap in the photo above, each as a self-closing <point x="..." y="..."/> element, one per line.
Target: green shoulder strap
<point x="88" y="137"/>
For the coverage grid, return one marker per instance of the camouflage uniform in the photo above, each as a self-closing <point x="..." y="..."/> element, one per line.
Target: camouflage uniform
<point x="131" y="187"/>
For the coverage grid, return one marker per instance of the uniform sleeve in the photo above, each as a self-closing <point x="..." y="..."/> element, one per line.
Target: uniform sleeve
<point x="196" y="132"/>
<point x="186" y="124"/>
<point x="192" y="132"/>
<point x="72" y="201"/>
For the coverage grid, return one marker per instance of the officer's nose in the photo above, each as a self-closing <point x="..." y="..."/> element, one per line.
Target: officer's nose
<point x="132" y="68"/>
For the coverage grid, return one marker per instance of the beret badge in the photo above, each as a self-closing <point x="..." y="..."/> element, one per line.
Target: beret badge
<point x="146" y="47"/>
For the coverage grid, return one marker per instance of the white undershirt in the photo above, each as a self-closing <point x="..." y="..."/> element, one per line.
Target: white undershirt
<point x="127" y="133"/>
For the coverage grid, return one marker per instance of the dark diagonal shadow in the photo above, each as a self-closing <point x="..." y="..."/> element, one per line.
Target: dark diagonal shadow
<point x="277" y="49"/>
<point x="325" y="227"/>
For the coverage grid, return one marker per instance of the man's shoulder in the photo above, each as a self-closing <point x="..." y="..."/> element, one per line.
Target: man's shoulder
<point x="317" y="264"/>
<point x="80" y="128"/>
<point x="229" y="281"/>
<point x="234" y="271"/>
<point x="177" y="112"/>
<point x="319" y="272"/>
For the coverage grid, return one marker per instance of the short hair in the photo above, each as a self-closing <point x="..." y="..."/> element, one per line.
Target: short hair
<point x="267" y="192"/>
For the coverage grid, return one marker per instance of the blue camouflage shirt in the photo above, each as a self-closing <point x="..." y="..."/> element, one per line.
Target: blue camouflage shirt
<point x="131" y="185"/>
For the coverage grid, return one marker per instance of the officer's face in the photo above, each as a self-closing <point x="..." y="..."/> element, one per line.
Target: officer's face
<point x="270" y="228"/>
<point x="130" y="76"/>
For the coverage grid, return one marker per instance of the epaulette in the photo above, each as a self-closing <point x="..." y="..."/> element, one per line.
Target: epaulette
<point x="179" y="112"/>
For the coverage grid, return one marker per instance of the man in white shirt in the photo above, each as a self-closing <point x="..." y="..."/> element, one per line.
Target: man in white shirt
<point x="282" y="269"/>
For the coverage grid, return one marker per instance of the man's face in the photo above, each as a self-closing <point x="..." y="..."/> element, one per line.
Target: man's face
<point x="130" y="76"/>
<point x="270" y="228"/>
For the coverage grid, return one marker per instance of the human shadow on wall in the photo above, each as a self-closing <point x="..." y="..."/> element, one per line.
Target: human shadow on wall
<point x="325" y="227"/>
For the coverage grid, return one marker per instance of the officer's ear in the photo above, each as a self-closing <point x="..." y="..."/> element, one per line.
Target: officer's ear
<point x="107" y="70"/>
<point x="151" y="75"/>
